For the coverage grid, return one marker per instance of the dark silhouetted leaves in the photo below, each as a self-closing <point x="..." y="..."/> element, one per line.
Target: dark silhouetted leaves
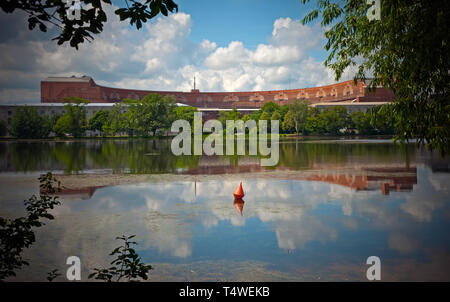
<point x="126" y="265"/>
<point x="17" y="234"/>
<point x="91" y="22"/>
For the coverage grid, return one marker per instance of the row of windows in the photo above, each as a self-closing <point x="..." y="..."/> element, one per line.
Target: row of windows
<point x="283" y="97"/>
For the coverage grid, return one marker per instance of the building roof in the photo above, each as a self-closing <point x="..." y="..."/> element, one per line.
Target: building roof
<point x="68" y="79"/>
<point x="86" y="105"/>
<point x="61" y="104"/>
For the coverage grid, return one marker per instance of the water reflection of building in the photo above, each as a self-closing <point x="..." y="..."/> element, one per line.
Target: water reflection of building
<point x="358" y="177"/>
<point x="369" y="179"/>
<point x="357" y="174"/>
<point x="214" y="165"/>
<point x="82" y="193"/>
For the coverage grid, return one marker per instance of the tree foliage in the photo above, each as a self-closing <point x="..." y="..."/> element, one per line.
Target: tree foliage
<point x="96" y="122"/>
<point x="115" y="121"/>
<point x="408" y="51"/>
<point x="296" y="117"/>
<point x="3" y="128"/>
<point x="232" y="115"/>
<point x="47" y="13"/>
<point x="151" y="113"/>
<point x="27" y="123"/>
<point x="18" y="234"/>
<point x="185" y="113"/>
<point x="361" y="122"/>
<point x="127" y="264"/>
<point x="73" y="121"/>
<point x="52" y="275"/>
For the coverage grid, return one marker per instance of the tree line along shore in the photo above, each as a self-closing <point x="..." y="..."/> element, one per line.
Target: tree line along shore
<point x="152" y="116"/>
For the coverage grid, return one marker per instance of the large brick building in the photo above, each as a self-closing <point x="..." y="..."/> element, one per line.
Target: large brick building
<point x="355" y="97"/>
<point x="55" y="89"/>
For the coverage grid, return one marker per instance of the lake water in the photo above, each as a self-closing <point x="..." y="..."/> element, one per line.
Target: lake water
<point x="317" y="216"/>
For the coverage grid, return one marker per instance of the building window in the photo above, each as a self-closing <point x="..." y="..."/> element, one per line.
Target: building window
<point x="9" y="112"/>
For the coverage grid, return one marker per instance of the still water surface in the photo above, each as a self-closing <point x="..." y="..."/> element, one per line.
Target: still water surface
<point x="318" y="215"/>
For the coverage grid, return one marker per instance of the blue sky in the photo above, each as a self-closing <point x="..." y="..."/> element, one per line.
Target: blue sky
<point x="229" y="45"/>
<point x="250" y="21"/>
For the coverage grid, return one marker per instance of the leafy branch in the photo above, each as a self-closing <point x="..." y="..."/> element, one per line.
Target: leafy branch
<point x="46" y="13"/>
<point x="126" y="265"/>
<point x="18" y="234"/>
<point x="52" y="275"/>
<point x="408" y="51"/>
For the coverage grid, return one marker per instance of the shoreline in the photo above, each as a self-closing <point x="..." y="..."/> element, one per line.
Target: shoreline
<point x="281" y="136"/>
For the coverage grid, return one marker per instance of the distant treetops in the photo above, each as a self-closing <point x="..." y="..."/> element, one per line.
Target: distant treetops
<point x="153" y="115"/>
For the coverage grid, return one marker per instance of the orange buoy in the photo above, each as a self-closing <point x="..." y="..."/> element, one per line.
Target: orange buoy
<point x="239" y="193"/>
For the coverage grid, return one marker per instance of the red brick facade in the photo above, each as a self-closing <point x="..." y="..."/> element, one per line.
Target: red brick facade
<point x="54" y="90"/>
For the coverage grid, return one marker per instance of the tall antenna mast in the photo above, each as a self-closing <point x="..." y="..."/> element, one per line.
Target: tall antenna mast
<point x="194" y="82"/>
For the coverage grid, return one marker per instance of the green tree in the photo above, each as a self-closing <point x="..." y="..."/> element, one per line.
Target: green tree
<point x="53" y="13"/>
<point x="407" y="50"/>
<point x="127" y="264"/>
<point x="3" y="128"/>
<point x="115" y="120"/>
<point x="288" y="122"/>
<point x="129" y="121"/>
<point x="283" y="110"/>
<point x="53" y="119"/>
<point x="276" y="116"/>
<point x="328" y="121"/>
<point x="361" y="122"/>
<point x="18" y="234"/>
<point x="264" y="116"/>
<point x="73" y="122"/>
<point x="255" y="115"/>
<point x="270" y="108"/>
<point x="331" y="120"/>
<point x="232" y="115"/>
<point x="296" y="117"/>
<point x="383" y="119"/>
<point x="62" y="125"/>
<point x="153" y="112"/>
<point x="96" y="122"/>
<point x="246" y="118"/>
<point x="312" y="125"/>
<point x="185" y="113"/>
<point x="27" y="123"/>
